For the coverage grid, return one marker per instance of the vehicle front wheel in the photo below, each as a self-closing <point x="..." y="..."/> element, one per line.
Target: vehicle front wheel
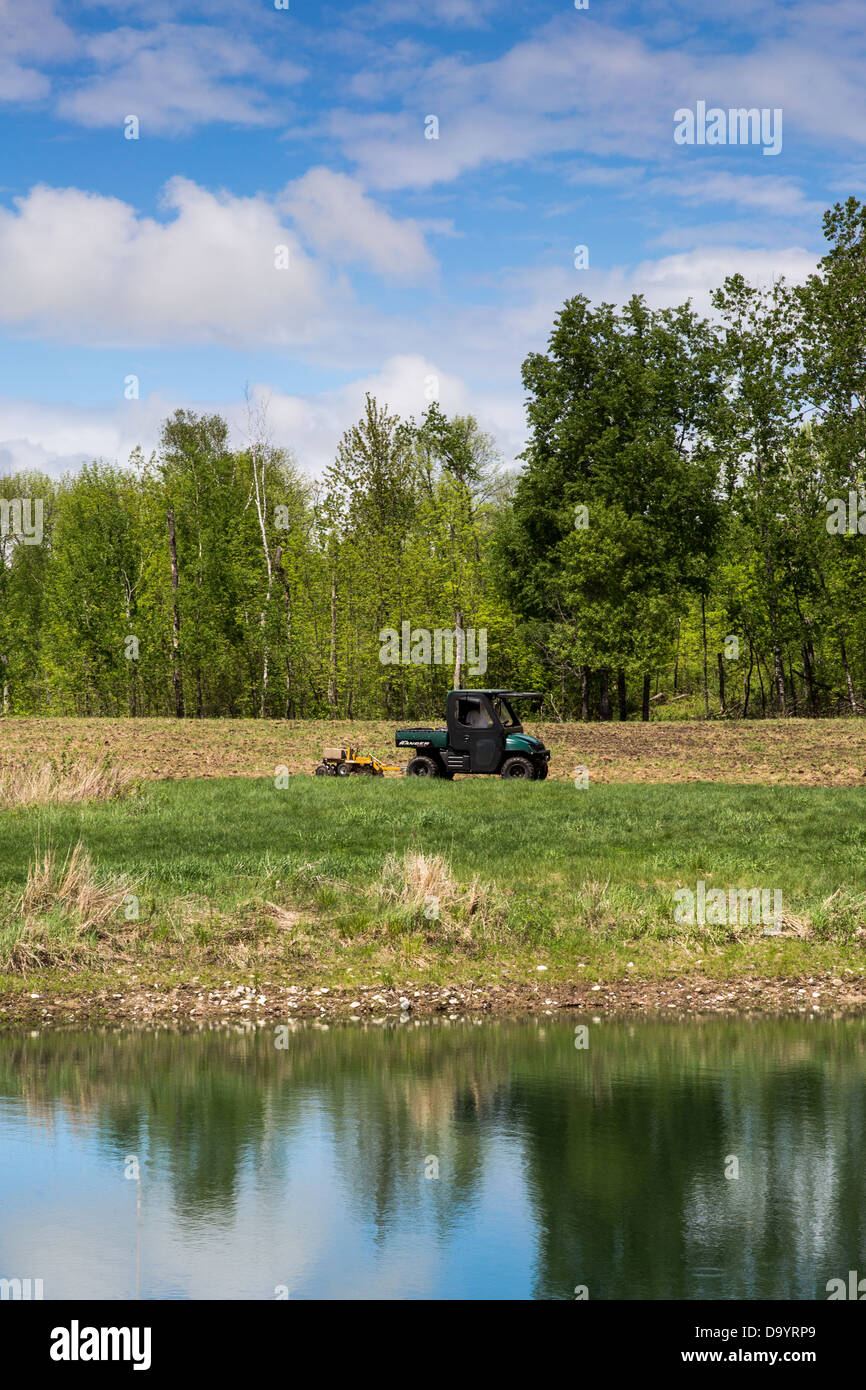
<point x="421" y="766"/>
<point x="518" y="767"/>
<point x="541" y="770"/>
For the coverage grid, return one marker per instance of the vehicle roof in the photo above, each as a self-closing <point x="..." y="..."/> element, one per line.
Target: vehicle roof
<point x="513" y="694"/>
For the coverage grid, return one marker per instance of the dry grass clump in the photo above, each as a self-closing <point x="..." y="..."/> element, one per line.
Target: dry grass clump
<point x="46" y="783"/>
<point x="424" y="885"/>
<point x="72" y="888"/>
<point x="64" y="911"/>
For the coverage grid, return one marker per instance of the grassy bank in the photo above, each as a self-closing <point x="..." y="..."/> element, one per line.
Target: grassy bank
<point x="338" y="883"/>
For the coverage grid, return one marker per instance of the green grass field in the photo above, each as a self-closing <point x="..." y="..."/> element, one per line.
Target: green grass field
<point x="313" y="881"/>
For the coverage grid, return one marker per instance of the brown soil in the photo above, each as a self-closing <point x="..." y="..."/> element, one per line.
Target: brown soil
<point x="192" y="1004"/>
<point x="797" y="752"/>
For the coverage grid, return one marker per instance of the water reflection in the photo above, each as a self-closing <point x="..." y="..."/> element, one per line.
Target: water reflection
<point x="312" y="1169"/>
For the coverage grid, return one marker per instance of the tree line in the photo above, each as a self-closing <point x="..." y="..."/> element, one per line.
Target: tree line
<point x="685" y="534"/>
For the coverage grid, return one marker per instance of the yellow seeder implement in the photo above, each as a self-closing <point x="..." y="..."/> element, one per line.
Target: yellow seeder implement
<point x="344" y="762"/>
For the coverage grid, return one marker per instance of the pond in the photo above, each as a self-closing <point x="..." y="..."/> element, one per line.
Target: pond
<point x="502" y="1160"/>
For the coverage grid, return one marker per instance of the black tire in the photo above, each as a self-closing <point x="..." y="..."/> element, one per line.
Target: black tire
<point x="541" y="770"/>
<point x="518" y="766"/>
<point x="343" y="770"/>
<point x="322" y="770"/>
<point x="422" y="766"/>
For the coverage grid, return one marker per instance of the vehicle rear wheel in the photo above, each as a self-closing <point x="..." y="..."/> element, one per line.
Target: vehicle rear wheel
<point x="518" y="766"/>
<point x="322" y="770"/>
<point x="344" y="770"/>
<point x="421" y="766"/>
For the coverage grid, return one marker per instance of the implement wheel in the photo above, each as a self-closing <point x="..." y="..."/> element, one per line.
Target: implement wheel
<point x="518" y="766"/>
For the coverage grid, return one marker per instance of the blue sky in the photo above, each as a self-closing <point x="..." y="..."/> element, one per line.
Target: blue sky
<point x="409" y="258"/>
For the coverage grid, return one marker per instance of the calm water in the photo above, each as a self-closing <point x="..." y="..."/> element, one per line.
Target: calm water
<point x="307" y="1168"/>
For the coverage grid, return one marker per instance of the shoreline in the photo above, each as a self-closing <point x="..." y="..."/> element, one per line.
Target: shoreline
<point x="189" y="1004"/>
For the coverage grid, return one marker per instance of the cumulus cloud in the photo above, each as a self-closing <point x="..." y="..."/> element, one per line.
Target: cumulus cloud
<point x="336" y="218"/>
<point x="581" y="84"/>
<point x="82" y="267"/>
<point x="174" y="77"/>
<point x="483" y="345"/>
<point x="56" y="437"/>
<point x="487" y="343"/>
<point x="30" y="35"/>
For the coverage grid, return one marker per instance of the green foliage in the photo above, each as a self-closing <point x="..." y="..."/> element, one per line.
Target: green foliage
<point x="681" y="524"/>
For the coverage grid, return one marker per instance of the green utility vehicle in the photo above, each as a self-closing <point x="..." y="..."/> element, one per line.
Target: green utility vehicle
<point x="483" y="734"/>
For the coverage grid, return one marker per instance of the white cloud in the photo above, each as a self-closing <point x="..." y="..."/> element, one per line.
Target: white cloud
<point x="32" y="31"/>
<point x="81" y="267"/>
<point x="175" y="77"/>
<point x="482" y="345"/>
<point x="773" y="195"/>
<point x="579" y="84"/>
<point x="487" y="343"/>
<point x="461" y="14"/>
<point x="333" y="215"/>
<point x="56" y="437"/>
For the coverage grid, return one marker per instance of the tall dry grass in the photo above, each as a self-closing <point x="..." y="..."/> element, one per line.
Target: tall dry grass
<point x="47" y="783"/>
<point x="467" y="914"/>
<point x="65" y="916"/>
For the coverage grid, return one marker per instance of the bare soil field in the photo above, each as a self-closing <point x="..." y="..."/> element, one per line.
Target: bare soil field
<point x="794" y="752"/>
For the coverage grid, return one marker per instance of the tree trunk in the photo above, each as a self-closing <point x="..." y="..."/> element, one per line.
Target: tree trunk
<point x="852" y="698"/>
<point x="459" y="648"/>
<point x="748" y="687"/>
<point x="175" y="621"/>
<point x="763" y="692"/>
<point x="645" y="704"/>
<point x="809" y="676"/>
<point x="779" y="676"/>
<point x="584" y="693"/>
<point x="721" y="661"/>
<point x="605" y="694"/>
<point x="332" y="659"/>
<point x="284" y="580"/>
<point x="677" y="656"/>
<point x="772" y="609"/>
<point x="706" y="679"/>
<point x="620" y="690"/>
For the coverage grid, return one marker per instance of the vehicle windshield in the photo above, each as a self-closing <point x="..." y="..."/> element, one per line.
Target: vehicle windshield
<point x="504" y="713"/>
